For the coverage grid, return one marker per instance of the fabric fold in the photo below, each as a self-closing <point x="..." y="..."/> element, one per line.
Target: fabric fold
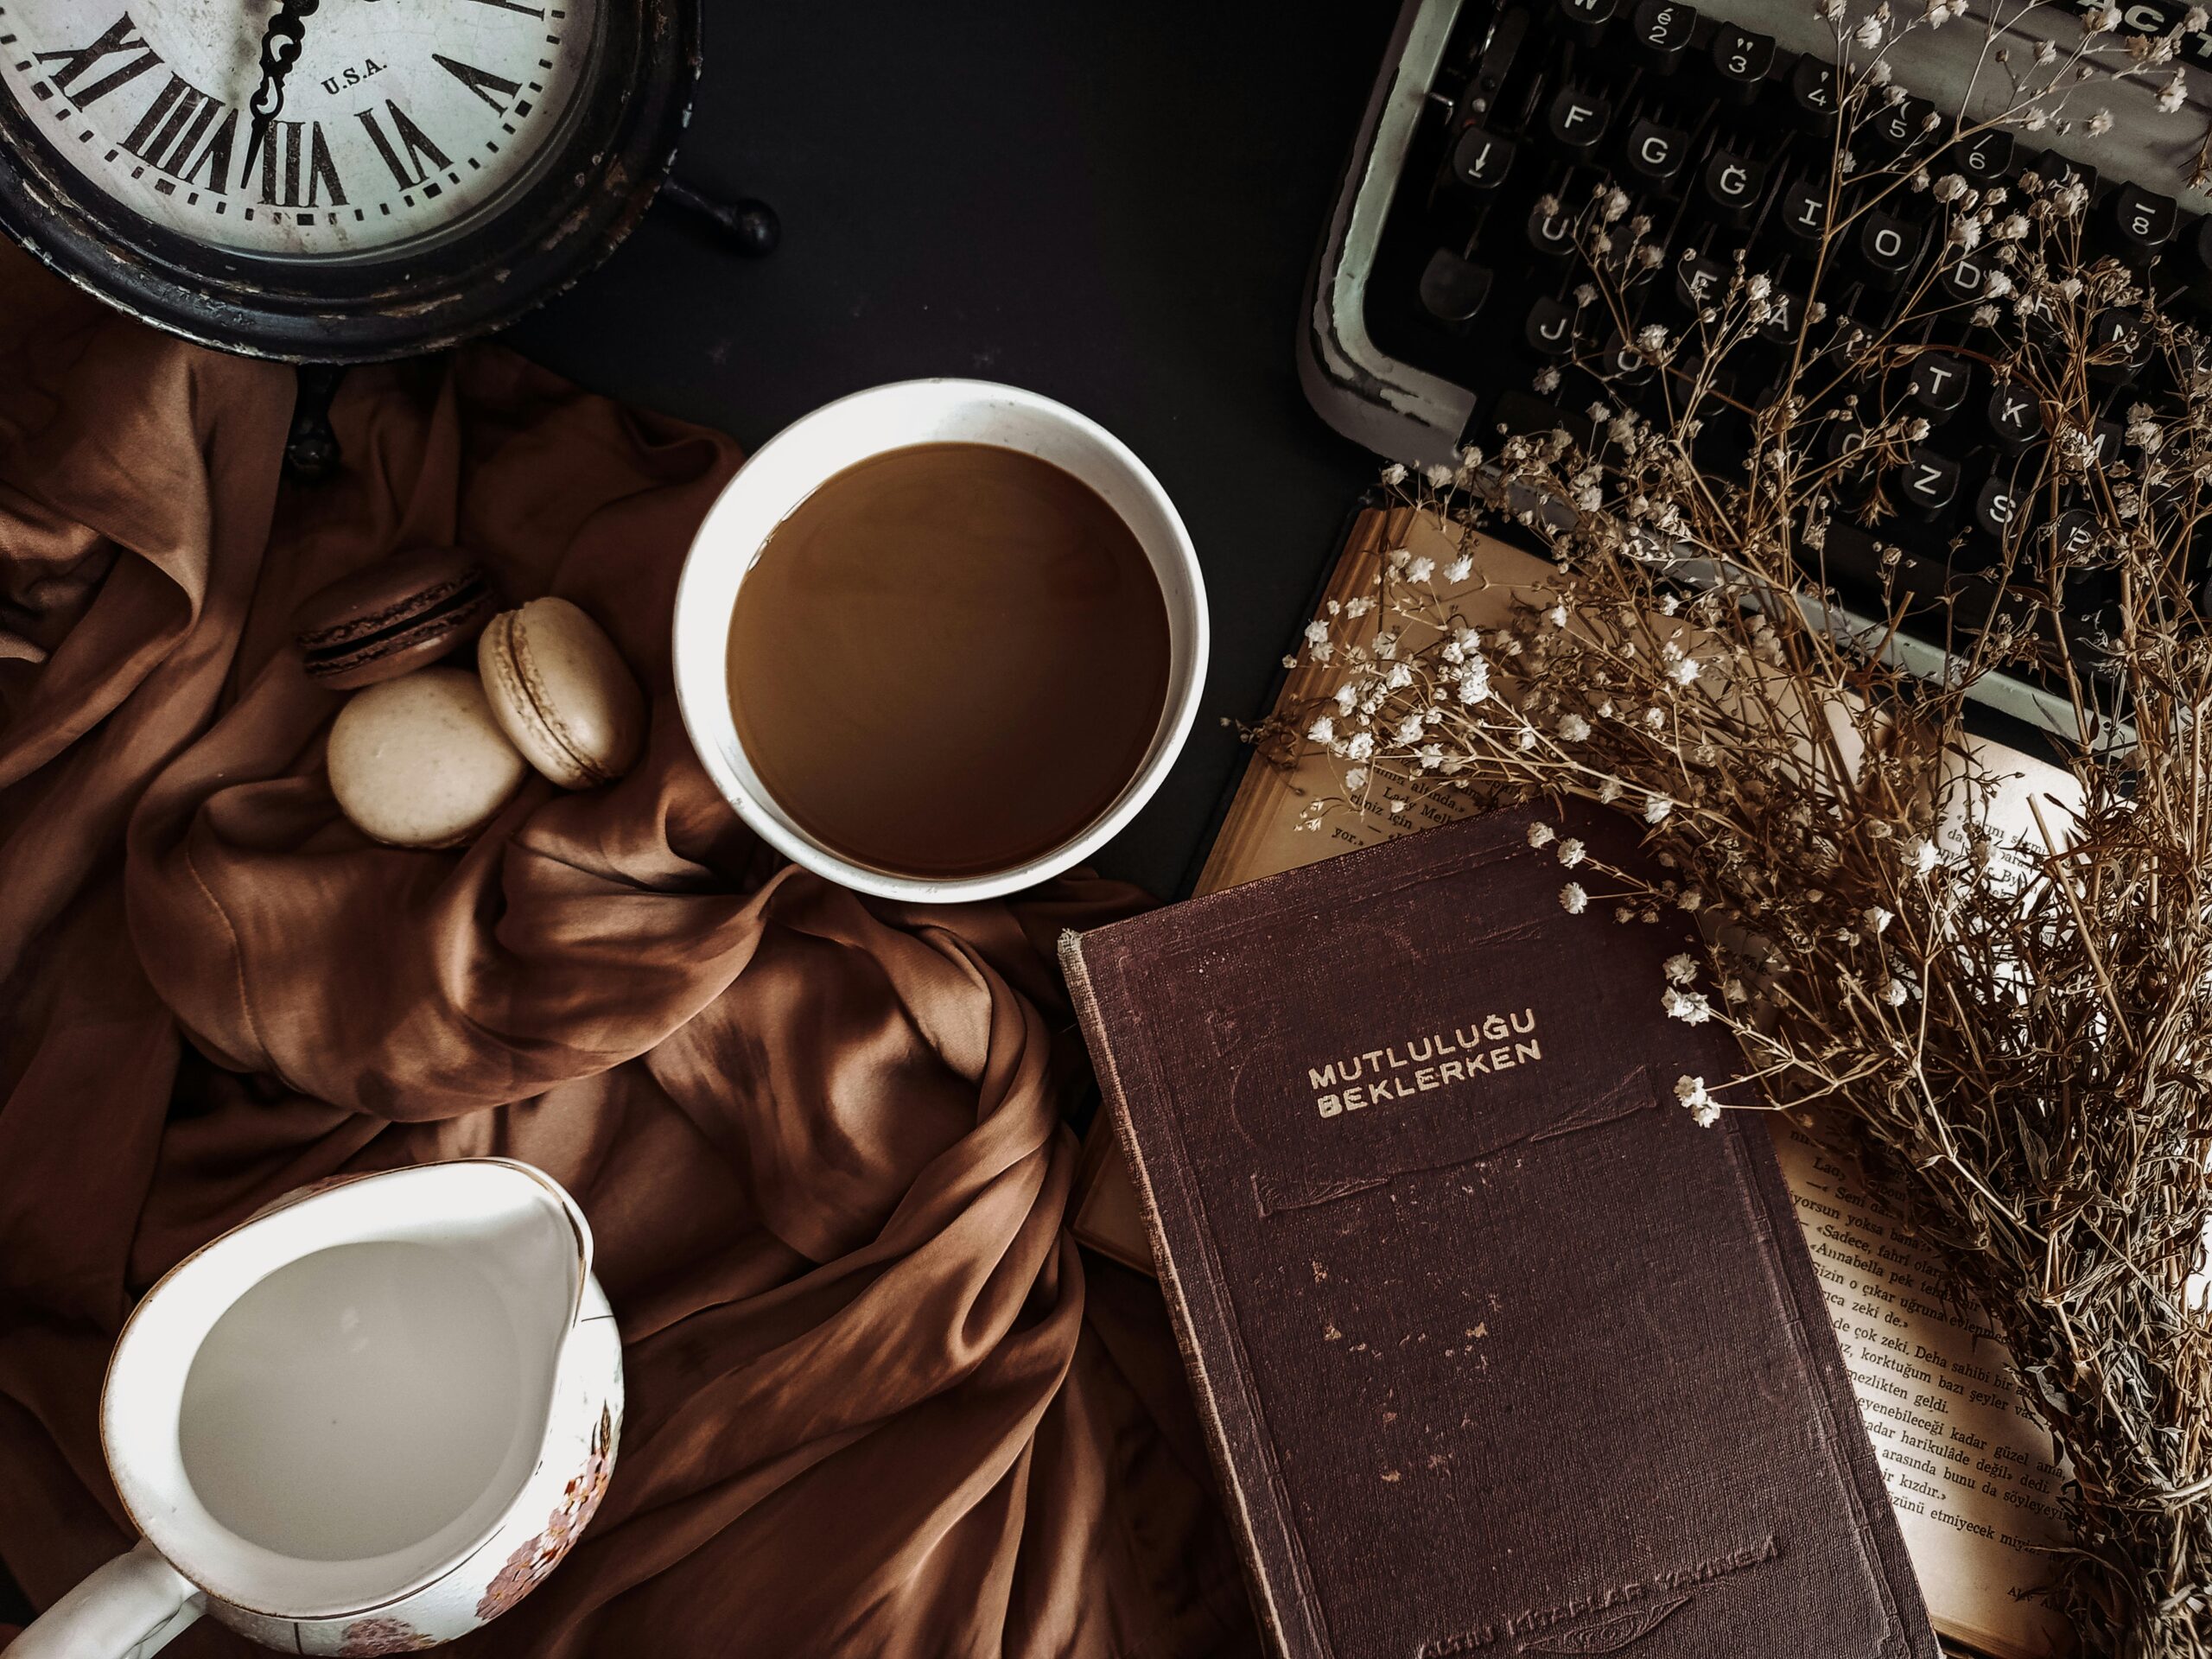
<point x="819" y="1138"/>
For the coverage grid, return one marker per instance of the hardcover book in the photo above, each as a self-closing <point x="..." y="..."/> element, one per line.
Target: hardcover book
<point x="1497" y="1350"/>
<point x="1969" y="1470"/>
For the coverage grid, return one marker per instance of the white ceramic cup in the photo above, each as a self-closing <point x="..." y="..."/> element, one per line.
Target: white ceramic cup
<point x="788" y="468"/>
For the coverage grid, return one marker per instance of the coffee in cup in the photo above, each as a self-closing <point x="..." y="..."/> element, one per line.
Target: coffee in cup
<point x="940" y="639"/>
<point x="949" y="659"/>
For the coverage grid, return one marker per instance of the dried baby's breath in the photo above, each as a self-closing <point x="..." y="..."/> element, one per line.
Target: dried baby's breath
<point x="2013" y="1019"/>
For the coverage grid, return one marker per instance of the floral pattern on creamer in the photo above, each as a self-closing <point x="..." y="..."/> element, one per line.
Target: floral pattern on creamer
<point x="370" y="1636"/>
<point x="541" y="1554"/>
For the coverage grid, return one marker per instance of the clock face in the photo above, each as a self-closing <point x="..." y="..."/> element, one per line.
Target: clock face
<point x="402" y="120"/>
<point x="437" y="166"/>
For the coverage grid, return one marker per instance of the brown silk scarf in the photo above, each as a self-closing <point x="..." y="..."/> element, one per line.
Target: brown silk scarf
<point x="877" y="1403"/>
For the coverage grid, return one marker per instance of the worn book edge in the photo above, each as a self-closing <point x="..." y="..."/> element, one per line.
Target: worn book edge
<point x="1113" y="1108"/>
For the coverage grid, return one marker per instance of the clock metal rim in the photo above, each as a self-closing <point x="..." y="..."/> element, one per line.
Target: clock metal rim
<point x="522" y="254"/>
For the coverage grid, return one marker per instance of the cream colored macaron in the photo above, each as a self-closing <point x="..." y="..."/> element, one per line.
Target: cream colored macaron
<point x="562" y="693"/>
<point x="419" y="761"/>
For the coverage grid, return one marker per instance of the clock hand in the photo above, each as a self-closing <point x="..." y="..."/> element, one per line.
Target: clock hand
<point x="280" y="49"/>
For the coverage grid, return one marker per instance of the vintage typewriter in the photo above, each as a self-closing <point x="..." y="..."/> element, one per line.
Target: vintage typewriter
<point x="1443" y="289"/>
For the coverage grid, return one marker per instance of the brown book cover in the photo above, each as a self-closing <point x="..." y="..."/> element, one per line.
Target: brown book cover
<point x="1499" y="1353"/>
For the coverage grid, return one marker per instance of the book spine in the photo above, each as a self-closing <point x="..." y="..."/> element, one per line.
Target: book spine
<point x="1115" y="1104"/>
<point x="1843" y="1431"/>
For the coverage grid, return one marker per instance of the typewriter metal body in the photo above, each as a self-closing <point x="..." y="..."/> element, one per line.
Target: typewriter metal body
<point x="1442" y="291"/>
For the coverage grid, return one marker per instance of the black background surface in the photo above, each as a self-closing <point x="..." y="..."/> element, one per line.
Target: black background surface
<point x="1115" y="205"/>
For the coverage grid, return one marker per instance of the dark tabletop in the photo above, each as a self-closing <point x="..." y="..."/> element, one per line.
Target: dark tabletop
<point x="1114" y="204"/>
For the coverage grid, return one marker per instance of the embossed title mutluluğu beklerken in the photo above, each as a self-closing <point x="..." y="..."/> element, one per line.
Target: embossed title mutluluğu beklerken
<point x="1497" y="1042"/>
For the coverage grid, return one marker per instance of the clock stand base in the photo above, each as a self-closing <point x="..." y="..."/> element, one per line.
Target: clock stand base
<point x="311" y="447"/>
<point x="747" y="226"/>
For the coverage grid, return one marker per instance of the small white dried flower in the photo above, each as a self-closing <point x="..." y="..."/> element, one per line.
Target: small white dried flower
<point x="1657" y="807"/>
<point x="1573" y="728"/>
<point x="2174" y="93"/>
<point x="1541" y="834"/>
<point x="1459" y="569"/>
<point x="1921" y="855"/>
<point x="1877" y="919"/>
<point x="1681" y="968"/>
<point x="1704" y="1110"/>
<point x="1573" y="899"/>
<point x="1894" y="993"/>
<point x="1572" y="852"/>
<point x="1609" y="790"/>
<point x="1691" y="1007"/>
<point x="1421" y="569"/>
<point x="1869" y="32"/>
<point x="1690" y="900"/>
<point x="2100" y="123"/>
<point x="1393" y="474"/>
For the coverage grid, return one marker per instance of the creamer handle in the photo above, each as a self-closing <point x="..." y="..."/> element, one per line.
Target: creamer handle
<point x="125" y="1610"/>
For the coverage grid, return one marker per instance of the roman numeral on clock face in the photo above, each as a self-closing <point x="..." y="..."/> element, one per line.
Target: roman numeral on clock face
<point x="75" y="77"/>
<point x="298" y="154"/>
<point x="410" y="153"/>
<point x="492" y="89"/>
<point x="186" y="134"/>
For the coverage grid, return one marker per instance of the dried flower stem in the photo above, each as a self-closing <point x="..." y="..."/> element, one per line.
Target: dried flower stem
<point x="2017" y="1028"/>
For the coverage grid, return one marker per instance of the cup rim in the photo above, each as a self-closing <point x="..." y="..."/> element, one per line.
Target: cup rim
<point x="702" y="694"/>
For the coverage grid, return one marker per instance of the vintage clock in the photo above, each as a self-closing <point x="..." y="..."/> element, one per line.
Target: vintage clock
<point x="333" y="182"/>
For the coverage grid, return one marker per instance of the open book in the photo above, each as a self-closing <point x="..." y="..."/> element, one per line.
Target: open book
<point x="1968" y="1470"/>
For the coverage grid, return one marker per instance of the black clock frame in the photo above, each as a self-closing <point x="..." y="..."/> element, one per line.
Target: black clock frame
<point x="586" y="195"/>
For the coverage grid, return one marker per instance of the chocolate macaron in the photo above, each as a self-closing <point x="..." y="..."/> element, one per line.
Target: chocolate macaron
<point x="393" y="617"/>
